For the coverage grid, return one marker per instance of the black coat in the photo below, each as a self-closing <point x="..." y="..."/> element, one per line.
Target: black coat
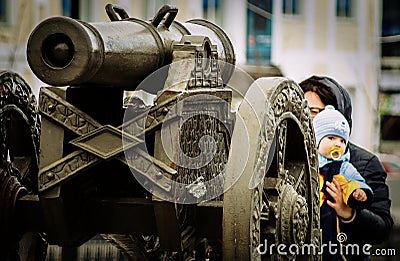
<point x="371" y="225"/>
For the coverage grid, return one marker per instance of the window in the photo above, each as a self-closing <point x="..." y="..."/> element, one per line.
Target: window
<point x="70" y="8"/>
<point x="390" y="28"/>
<point x="291" y="7"/>
<point x="389" y="106"/>
<point x="344" y="8"/>
<point x="210" y="9"/>
<point x="3" y="12"/>
<point x="5" y="8"/>
<point x="259" y="31"/>
<point x="78" y="9"/>
<point x="390" y="125"/>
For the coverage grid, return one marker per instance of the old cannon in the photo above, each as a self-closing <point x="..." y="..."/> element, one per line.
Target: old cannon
<point x="216" y="165"/>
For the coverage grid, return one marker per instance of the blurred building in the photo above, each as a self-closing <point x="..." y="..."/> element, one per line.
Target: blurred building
<point x="390" y="78"/>
<point x="339" y="38"/>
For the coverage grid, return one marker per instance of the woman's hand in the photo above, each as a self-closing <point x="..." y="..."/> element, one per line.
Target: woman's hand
<point x="341" y="209"/>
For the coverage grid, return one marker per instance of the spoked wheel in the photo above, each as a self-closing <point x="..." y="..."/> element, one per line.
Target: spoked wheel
<point x="19" y="152"/>
<point x="284" y="207"/>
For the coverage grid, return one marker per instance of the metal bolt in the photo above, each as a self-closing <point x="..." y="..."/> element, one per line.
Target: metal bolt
<point x="51" y="107"/>
<point x="159" y="175"/>
<point x="50" y="176"/>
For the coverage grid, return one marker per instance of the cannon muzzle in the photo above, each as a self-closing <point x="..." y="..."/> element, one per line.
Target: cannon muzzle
<point x="121" y="53"/>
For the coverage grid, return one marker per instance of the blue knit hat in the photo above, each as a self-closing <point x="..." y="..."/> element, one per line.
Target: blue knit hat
<point x="330" y="122"/>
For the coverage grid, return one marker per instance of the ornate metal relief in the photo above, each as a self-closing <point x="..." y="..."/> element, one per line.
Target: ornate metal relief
<point x="54" y="107"/>
<point x="80" y="123"/>
<point x="294" y="183"/>
<point x="289" y="103"/>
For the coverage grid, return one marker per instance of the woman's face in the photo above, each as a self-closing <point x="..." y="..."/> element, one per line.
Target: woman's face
<point x="314" y="103"/>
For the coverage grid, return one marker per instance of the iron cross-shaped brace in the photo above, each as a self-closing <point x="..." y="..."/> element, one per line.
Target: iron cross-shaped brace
<point x="90" y="153"/>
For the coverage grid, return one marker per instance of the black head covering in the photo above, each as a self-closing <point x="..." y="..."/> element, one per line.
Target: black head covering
<point x="342" y="97"/>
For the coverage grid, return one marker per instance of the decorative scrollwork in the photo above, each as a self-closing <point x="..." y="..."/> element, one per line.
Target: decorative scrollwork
<point x="66" y="168"/>
<point x="16" y="97"/>
<point x="192" y="131"/>
<point x="10" y="190"/>
<point x="300" y="220"/>
<point x="287" y="210"/>
<point x="293" y="217"/>
<point x="209" y="77"/>
<point x="255" y="225"/>
<point x="288" y="102"/>
<point x="65" y="114"/>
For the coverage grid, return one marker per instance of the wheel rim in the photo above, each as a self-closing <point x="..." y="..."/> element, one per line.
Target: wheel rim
<point x="284" y="207"/>
<point x="19" y="151"/>
<point x="293" y="198"/>
<point x="20" y="128"/>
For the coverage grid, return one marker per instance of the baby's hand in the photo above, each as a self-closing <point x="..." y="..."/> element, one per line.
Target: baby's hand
<point x="360" y="195"/>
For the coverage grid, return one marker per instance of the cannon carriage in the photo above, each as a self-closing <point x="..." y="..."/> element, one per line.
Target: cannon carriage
<point x="216" y="165"/>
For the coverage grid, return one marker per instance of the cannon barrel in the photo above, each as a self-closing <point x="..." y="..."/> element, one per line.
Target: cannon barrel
<point x="121" y="53"/>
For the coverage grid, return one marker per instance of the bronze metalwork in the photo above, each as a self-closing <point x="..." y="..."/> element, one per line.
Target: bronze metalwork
<point x="284" y="208"/>
<point x="102" y="172"/>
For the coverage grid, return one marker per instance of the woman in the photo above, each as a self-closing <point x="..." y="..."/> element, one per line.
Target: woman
<point x="366" y="226"/>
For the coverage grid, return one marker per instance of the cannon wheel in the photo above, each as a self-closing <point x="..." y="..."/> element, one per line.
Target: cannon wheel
<point x="19" y="151"/>
<point x="284" y="207"/>
<point x="20" y="128"/>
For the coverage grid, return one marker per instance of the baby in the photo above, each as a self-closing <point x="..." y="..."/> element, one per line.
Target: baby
<point x="332" y="133"/>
